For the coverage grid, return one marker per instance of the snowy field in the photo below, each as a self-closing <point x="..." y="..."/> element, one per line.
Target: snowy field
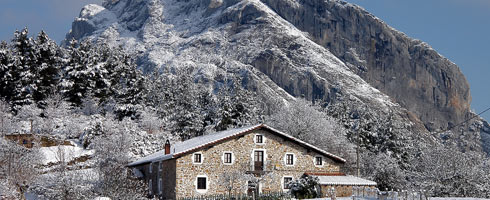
<point x="56" y="154"/>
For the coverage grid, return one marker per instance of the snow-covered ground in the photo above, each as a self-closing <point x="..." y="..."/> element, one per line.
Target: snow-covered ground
<point x="64" y="153"/>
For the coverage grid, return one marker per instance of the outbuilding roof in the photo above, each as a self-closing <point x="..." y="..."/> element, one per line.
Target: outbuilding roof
<point x="197" y="143"/>
<point x="345" y="180"/>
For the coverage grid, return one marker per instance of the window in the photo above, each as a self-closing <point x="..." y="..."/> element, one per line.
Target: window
<point x="259" y="139"/>
<point x="160" y="186"/>
<point x="150" y="187"/>
<point x="201" y="183"/>
<point x="289" y="159"/>
<point x="259" y="160"/>
<point x="227" y="158"/>
<point x="160" y="166"/>
<point x="286" y="182"/>
<point x="318" y="160"/>
<point x="151" y="166"/>
<point x="197" y="158"/>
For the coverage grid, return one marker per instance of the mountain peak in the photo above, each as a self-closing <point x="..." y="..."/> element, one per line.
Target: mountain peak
<point x="325" y="51"/>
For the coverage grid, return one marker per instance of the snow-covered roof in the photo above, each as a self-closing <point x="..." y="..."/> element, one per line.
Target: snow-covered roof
<point x="196" y="143"/>
<point x="344" y="180"/>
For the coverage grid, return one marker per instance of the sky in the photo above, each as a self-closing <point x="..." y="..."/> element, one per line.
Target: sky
<point x="52" y="16"/>
<point x="457" y="29"/>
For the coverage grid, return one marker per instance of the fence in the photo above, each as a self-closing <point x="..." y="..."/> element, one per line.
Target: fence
<point x="262" y="196"/>
<point x="361" y="193"/>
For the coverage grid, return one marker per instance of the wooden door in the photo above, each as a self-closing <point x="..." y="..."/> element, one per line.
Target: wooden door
<point x="259" y="160"/>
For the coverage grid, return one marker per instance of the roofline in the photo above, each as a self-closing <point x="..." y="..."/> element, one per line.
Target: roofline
<point x="218" y="141"/>
<point x="200" y="146"/>
<point x="334" y="157"/>
<point x="243" y="132"/>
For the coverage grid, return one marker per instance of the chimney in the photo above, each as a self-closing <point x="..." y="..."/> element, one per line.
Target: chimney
<point x="167" y="147"/>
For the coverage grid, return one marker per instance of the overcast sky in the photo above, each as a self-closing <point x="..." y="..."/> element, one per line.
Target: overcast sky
<point x="458" y="29"/>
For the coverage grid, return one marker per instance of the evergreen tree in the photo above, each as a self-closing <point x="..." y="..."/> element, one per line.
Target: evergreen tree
<point x="47" y="67"/>
<point x="76" y="77"/>
<point x="5" y="73"/>
<point x="22" y="72"/>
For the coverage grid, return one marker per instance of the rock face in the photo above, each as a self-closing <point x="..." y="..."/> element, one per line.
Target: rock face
<point x="327" y="51"/>
<point x="408" y="70"/>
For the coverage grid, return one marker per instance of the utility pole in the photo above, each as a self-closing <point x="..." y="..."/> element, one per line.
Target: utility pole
<point x="358" y="147"/>
<point x="357" y="155"/>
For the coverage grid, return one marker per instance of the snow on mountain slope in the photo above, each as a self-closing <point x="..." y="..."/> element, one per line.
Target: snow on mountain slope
<point x="177" y="34"/>
<point x="244" y="39"/>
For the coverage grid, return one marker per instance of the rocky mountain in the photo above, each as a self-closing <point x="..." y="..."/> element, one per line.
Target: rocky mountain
<point x="329" y="51"/>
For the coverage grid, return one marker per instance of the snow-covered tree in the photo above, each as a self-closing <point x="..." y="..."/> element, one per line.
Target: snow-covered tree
<point x="22" y="71"/>
<point x="445" y="171"/>
<point x="149" y="121"/>
<point x="63" y="181"/>
<point x="305" y="121"/>
<point x="17" y="166"/>
<point x="6" y="119"/>
<point x="234" y="179"/>
<point x="304" y="187"/>
<point x="115" y="179"/>
<point x="47" y="67"/>
<point x="236" y="106"/>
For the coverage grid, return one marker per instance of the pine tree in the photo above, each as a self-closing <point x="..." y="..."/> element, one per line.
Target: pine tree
<point x="22" y="72"/>
<point x="77" y="78"/>
<point x="47" y="67"/>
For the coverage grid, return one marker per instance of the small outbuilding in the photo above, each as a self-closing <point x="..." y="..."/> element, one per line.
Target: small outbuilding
<point x="343" y="184"/>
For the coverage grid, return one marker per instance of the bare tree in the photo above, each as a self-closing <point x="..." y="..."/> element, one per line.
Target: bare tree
<point x="17" y="165"/>
<point x="112" y="155"/>
<point x="305" y="121"/>
<point x="233" y="179"/>
<point x="64" y="181"/>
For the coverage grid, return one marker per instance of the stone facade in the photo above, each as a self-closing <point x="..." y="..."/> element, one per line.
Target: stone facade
<point x="26" y="140"/>
<point x="340" y="190"/>
<point x="179" y="175"/>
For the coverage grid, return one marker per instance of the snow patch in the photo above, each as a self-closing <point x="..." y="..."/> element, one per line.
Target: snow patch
<point x="67" y="153"/>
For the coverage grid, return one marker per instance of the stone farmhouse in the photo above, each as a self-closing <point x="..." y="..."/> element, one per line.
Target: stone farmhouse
<point x="254" y="159"/>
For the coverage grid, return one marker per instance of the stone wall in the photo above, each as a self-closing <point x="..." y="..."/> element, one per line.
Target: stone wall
<point x="340" y="190"/>
<point x="167" y="173"/>
<point x="214" y="169"/>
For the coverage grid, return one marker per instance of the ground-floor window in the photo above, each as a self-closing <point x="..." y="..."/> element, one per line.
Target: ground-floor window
<point x="202" y="184"/>
<point x="286" y="182"/>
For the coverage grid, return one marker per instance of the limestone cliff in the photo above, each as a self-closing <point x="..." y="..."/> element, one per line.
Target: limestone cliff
<point x="408" y="70"/>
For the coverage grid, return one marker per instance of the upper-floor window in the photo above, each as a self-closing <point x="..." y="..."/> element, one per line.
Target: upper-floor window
<point x="318" y="160"/>
<point x="228" y="157"/>
<point x="289" y="159"/>
<point x="151" y="167"/>
<point x="197" y="158"/>
<point x="160" y="166"/>
<point x="259" y="139"/>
